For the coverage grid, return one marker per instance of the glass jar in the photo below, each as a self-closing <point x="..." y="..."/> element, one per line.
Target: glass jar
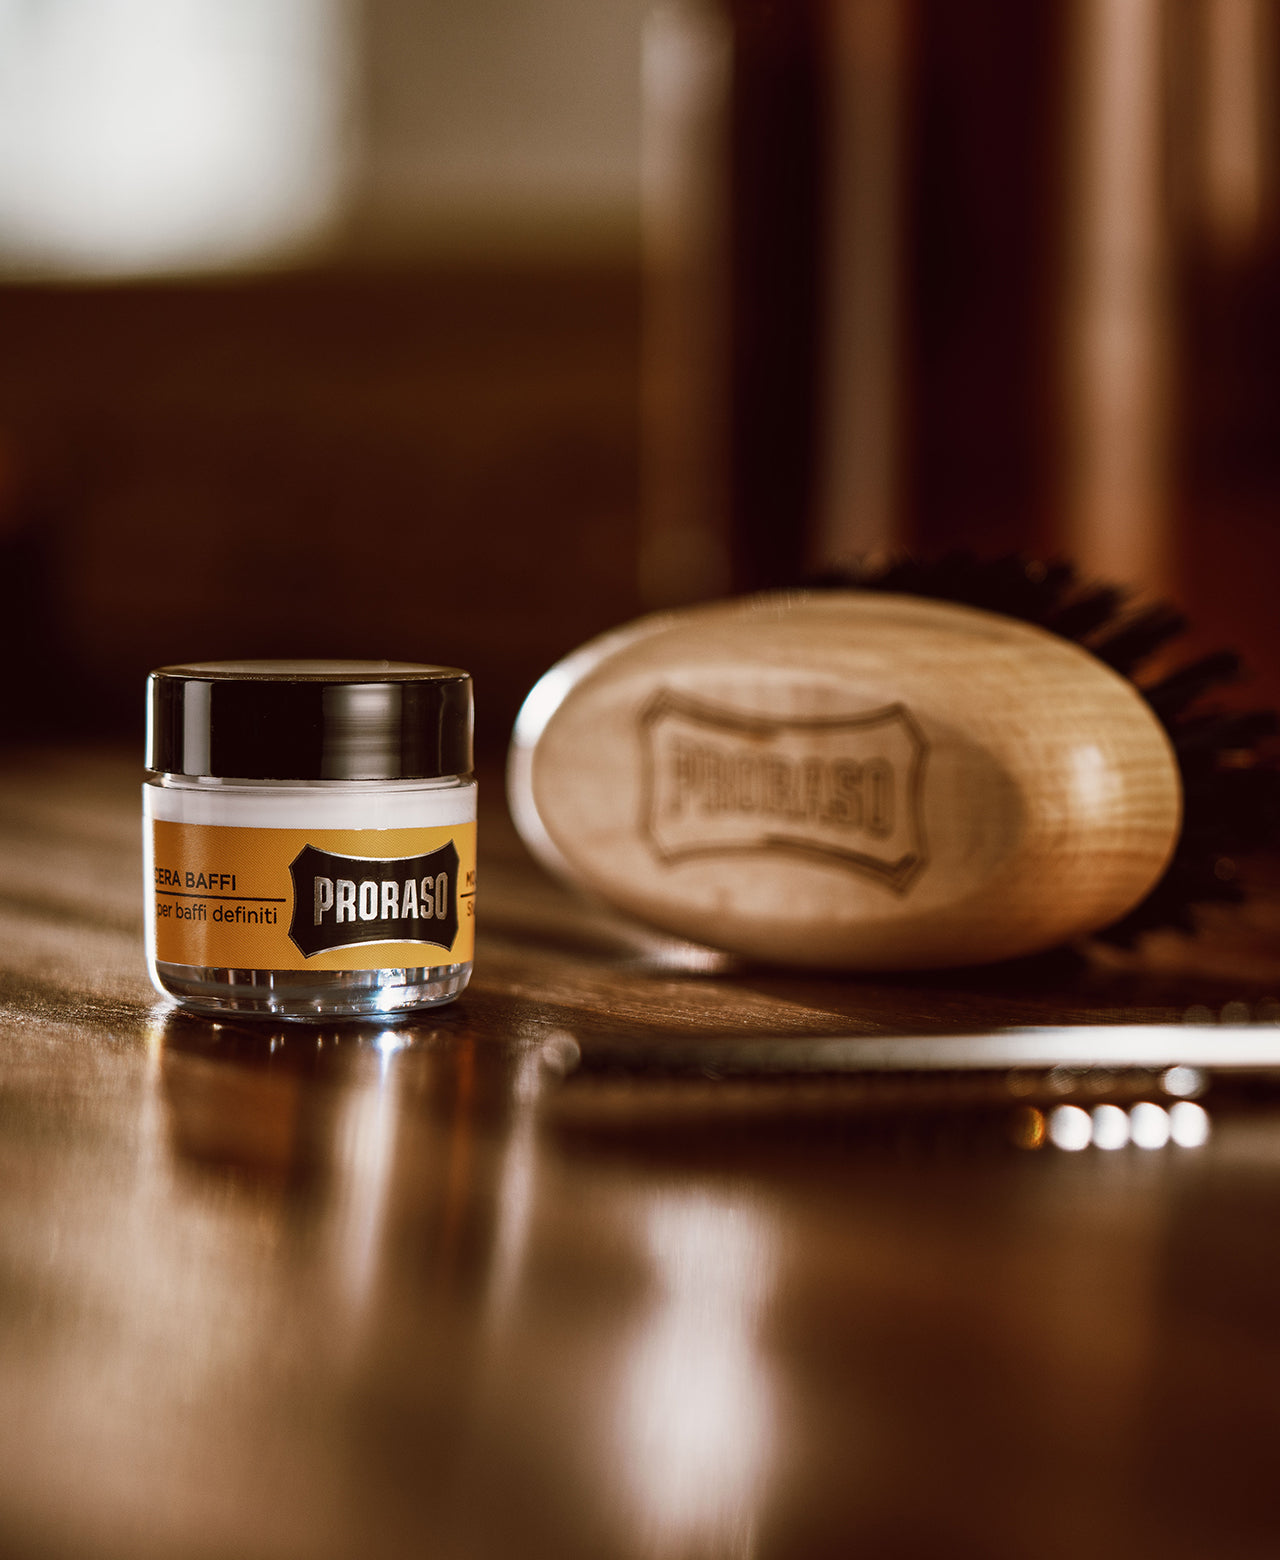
<point x="309" y="837"/>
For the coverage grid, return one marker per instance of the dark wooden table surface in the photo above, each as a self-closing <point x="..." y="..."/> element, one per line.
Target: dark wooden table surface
<point x="503" y="1283"/>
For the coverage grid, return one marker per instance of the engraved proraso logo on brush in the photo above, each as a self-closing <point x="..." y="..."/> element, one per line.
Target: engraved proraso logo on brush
<point x="342" y="901"/>
<point x="846" y="789"/>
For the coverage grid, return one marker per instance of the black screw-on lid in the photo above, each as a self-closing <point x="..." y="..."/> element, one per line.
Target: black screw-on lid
<point x="309" y="720"/>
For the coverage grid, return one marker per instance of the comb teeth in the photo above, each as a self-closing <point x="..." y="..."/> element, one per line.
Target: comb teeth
<point x="1231" y="791"/>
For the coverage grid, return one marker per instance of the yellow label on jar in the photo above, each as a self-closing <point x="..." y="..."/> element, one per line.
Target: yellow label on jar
<point x="313" y="899"/>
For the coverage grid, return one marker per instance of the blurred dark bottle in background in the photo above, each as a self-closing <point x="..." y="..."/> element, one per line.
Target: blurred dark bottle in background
<point x="992" y="276"/>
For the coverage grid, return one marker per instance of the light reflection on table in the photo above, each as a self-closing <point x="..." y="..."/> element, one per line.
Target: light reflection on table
<point x="343" y="1283"/>
<point x="695" y="1398"/>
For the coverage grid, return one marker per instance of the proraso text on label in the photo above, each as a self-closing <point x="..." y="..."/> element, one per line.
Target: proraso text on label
<point x="844" y="789"/>
<point x="339" y="901"/>
<point x="385" y="899"/>
<point x="858" y="796"/>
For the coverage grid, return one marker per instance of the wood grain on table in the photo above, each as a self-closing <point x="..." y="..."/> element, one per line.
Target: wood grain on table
<point x="333" y="1291"/>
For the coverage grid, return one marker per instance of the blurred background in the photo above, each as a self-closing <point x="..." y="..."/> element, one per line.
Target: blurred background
<point x="460" y="333"/>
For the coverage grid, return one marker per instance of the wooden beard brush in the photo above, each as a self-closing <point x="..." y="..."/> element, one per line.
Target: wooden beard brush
<point x="869" y="775"/>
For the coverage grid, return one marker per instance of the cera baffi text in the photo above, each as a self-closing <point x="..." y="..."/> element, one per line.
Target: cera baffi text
<point x="211" y="882"/>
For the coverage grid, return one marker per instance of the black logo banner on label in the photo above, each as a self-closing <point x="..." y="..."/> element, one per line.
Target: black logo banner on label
<point x="846" y="789"/>
<point x="340" y="901"/>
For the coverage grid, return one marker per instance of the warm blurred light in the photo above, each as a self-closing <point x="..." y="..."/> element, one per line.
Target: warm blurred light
<point x="1149" y="1125"/>
<point x="1234" y="57"/>
<point x="1029" y="1127"/>
<point x="517" y="1175"/>
<point x="1070" y="1128"/>
<point x="1186" y="1048"/>
<point x="1146" y="1125"/>
<point x="685" y="73"/>
<point x="154" y="135"/>
<point x="1115" y="347"/>
<point x="1093" y="775"/>
<point x="1110" y="1127"/>
<point x="868" y="66"/>
<point x="1189" y="1124"/>
<point x="1183" y="1082"/>
<point x="364" y="1163"/>
<point x="697" y="1409"/>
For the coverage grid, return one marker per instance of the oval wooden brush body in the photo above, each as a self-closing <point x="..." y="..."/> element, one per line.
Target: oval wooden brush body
<point x="847" y="780"/>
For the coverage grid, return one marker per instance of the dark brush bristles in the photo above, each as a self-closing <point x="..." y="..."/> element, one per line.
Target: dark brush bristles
<point x="1231" y="791"/>
<point x="1128" y="645"/>
<point x="1180" y="689"/>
